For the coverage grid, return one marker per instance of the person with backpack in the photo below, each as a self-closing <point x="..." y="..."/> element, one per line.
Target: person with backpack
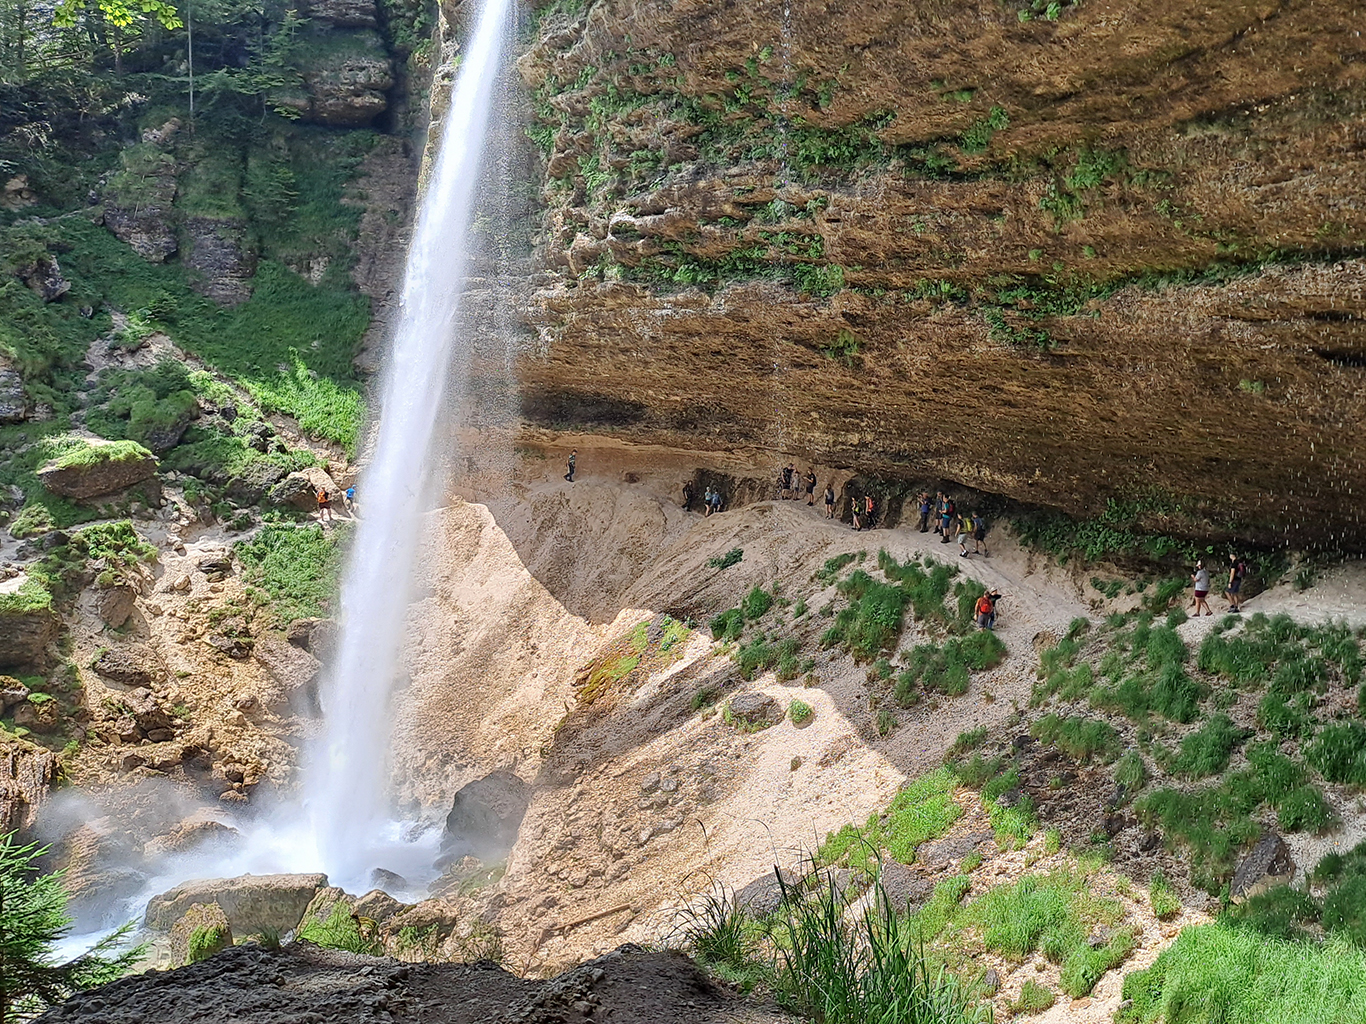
<point x="706" y="502"/>
<point x="785" y="486"/>
<point x="829" y="500"/>
<point x="1237" y="569"/>
<point x="925" y="511"/>
<point x="964" y="530"/>
<point x="349" y="500"/>
<point x="573" y="458"/>
<point x="811" y="488"/>
<point x="946" y="515"/>
<point x="324" y="506"/>
<point x="986" y="609"/>
<point x="939" y="512"/>
<point x="716" y="499"/>
<point x="855" y="512"/>
<point x="979" y="535"/>
<point x="869" y="511"/>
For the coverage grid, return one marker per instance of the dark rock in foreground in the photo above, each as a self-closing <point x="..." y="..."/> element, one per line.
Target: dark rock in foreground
<point x="304" y="983"/>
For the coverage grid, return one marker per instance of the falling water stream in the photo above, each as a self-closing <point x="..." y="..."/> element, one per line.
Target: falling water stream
<point x="343" y="823"/>
<point x="346" y="782"/>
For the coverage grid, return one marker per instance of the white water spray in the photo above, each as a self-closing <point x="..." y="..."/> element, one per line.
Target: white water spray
<point x="346" y="780"/>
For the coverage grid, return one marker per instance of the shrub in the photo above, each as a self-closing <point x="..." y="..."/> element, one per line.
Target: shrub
<point x="828" y="573"/>
<point x="1223" y="973"/>
<point x="800" y="712"/>
<point x="966" y="741"/>
<point x="731" y="557"/>
<point x="296" y="568"/>
<point x="205" y="942"/>
<point x="1165" y="903"/>
<point x="1207" y="750"/>
<point x="339" y="931"/>
<point x="946" y="669"/>
<point x="1033" y="998"/>
<point x="756" y="603"/>
<point x="1078" y="738"/>
<point x="1131" y="772"/>
<point x="1338" y="753"/>
<point x="1085" y="965"/>
<point x="728" y="625"/>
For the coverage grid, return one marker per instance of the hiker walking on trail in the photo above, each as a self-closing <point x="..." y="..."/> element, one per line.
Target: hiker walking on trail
<point x="1201" y="580"/>
<point x="964" y="528"/>
<point x="811" y="488"/>
<point x="830" y="501"/>
<point x="925" y="511"/>
<point x="688" y="495"/>
<point x="324" y="506"/>
<point x="349" y="500"/>
<point x="1237" y="569"/>
<point x="869" y="511"/>
<point x="855" y="512"/>
<point x="939" y="512"/>
<point x="573" y="458"/>
<point x="946" y="514"/>
<point x="715" y="500"/>
<point x="979" y="535"/>
<point x="986" y="609"/>
<point x="786" y="490"/>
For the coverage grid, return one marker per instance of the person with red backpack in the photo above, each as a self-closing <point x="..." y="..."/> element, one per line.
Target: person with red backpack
<point x="986" y="609"/>
<point x="1237" y="569"/>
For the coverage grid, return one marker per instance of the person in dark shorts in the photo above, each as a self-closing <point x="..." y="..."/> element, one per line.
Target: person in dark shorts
<point x="716" y="499"/>
<point x="1237" y="569"/>
<point x="573" y="459"/>
<point x="856" y="512"/>
<point x="811" y="487"/>
<point x="829" y="501"/>
<point x="925" y="511"/>
<point x="946" y="514"/>
<point x="1201" y="580"/>
<point x="688" y="495"/>
<point x="979" y="535"/>
<point x="964" y="531"/>
<point x="869" y="511"/>
<point x="785" y="489"/>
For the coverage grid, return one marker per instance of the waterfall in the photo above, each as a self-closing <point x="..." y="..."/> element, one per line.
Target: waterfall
<point x="346" y="776"/>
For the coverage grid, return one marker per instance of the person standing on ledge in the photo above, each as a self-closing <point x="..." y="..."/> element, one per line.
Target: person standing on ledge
<point x="688" y="495"/>
<point x="573" y="458"/>
<point x="924" y="511"/>
<point x="1237" y="569"/>
<point x="811" y="488"/>
<point x="1201" y="580"/>
<point x="830" y="500"/>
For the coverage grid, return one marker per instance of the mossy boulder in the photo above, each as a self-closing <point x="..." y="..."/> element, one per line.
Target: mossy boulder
<point x="88" y="468"/>
<point x="27" y="622"/>
<point x="202" y="931"/>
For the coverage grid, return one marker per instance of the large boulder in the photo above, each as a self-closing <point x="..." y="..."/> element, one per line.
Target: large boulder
<point x="344" y="83"/>
<point x="44" y="278"/>
<point x="13" y="402"/>
<point x="219" y="258"/>
<point x="200" y="933"/>
<point x="292" y="667"/>
<point x="26" y="777"/>
<point x="133" y="665"/>
<point x="753" y="710"/>
<point x="98" y="467"/>
<point x="116" y="605"/>
<point x="317" y="636"/>
<point x="138" y="205"/>
<point x="343" y="13"/>
<point x="300" y="489"/>
<point x="1267" y="865"/>
<point x="251" y="903"/>
<point x="27" y="622"/>
<point x="485" y="817"/>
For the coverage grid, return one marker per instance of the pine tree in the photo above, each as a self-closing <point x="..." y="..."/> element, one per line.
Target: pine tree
<point x="33" y="919"/>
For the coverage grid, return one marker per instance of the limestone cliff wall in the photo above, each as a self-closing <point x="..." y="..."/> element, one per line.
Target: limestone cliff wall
<point x="1066" y="252"/>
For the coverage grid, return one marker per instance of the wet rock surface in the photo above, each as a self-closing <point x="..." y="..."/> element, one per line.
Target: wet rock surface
<point x="302" y="983"/>
<point x="251" y="902"/>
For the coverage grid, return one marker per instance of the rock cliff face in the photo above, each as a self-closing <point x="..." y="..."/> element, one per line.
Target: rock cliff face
<point x="1109" y="254"/>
